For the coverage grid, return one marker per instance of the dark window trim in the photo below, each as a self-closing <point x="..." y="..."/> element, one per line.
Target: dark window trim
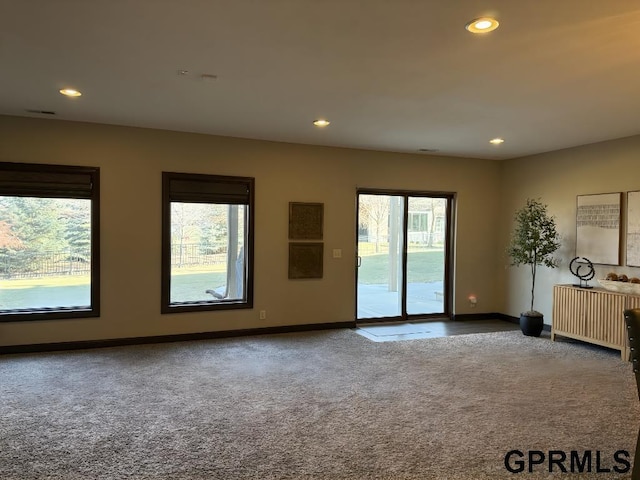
<point x="166" y="306"/>
<point x="55" y="191"/>
<point x="449" y="265"/>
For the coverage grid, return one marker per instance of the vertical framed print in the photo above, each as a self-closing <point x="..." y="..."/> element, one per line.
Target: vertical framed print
<point x="633" y="229"/>
<point x="598" y="228"/>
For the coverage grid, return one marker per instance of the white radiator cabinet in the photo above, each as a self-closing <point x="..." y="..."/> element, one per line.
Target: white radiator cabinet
<point x="592" y="315"/>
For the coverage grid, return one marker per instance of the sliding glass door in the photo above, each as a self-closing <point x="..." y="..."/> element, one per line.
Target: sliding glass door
<point x="380" y="246"/>
<point x="403" y="252"/>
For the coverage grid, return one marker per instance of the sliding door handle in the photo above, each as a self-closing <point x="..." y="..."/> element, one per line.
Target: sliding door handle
<point x="358" y="261"/>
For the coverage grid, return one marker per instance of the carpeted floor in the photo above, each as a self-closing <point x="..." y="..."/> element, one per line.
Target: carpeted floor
<point x="320" y="405"/>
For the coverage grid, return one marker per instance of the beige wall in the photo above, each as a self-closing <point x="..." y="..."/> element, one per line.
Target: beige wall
<point x="131" y="161"/>
<point x="557" y="178"/>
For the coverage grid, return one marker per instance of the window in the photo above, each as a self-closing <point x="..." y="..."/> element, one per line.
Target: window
<point x="49" y="242"/>
<point x="418" y="221"/>
<point x="207" y="242"/>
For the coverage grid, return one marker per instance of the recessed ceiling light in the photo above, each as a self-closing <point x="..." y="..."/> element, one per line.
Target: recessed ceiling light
<point x="70" y="92"/>
<point x="321" y="122"/>
<point x="496" y="141"/>
<point x="482" y="25"/>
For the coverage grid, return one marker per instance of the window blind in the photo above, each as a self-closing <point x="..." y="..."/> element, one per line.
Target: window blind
<point x="208" y="188"/>
<point x="46" y="180"/>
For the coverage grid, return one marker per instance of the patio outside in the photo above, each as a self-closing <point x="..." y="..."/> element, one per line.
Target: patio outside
<point x="425" y="294"/>
<point x="390" y="225"/>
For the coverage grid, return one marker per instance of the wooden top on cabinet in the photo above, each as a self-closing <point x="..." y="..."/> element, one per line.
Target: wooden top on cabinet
<point x="592" y="289"/>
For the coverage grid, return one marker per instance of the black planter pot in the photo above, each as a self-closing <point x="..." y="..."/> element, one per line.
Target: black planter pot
<point x="531" y="325"/>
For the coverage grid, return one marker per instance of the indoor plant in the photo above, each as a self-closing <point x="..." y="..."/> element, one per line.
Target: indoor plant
<point x="533" y="242"/>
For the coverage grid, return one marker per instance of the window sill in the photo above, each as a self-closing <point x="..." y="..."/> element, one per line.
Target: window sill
<point x="206" y="306"/>
<point x="40" y="314"/>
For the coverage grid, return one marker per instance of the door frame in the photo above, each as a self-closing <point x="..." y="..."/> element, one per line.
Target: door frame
<point x="449" y="262"/>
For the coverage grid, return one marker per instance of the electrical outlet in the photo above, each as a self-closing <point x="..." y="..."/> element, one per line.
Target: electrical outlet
<point x="263" y="314"/>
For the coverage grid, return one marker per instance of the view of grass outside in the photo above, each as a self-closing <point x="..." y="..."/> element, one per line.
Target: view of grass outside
<point x="377" y="295"/>
<point x="190" y="284"/>
<point x="43" y="292"/>
<point x="45" y="252"/>
<point x="203" y="238"/>
<point x="389" y="287"/>
<point x="193" y="273"/>
<point x="45" y="256"/>
<point x="45" y="249"/>
<point x="425" y="265"/>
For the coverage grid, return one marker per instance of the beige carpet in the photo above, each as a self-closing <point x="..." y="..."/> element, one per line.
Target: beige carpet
<point x="325" y="405"/>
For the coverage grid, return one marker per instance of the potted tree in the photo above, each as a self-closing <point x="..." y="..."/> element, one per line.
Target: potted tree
<point x="533" y="243"/>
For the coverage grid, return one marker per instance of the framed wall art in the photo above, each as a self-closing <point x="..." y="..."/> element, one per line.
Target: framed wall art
<point x="305" y="260"/>
<point x="305" y="221"/>
<point x="633" y="229"/>
<point x="598" y="228"/>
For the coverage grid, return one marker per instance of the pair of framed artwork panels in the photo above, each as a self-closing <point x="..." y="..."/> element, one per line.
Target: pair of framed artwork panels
<point x="599" y="236"/>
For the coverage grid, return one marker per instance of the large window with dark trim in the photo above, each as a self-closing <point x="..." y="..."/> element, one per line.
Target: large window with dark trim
<point x="207" y="242"/>
<point x="49" y="242"/>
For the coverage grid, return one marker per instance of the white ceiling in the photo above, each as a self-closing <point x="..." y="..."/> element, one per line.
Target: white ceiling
<point x="396" y="75"/>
